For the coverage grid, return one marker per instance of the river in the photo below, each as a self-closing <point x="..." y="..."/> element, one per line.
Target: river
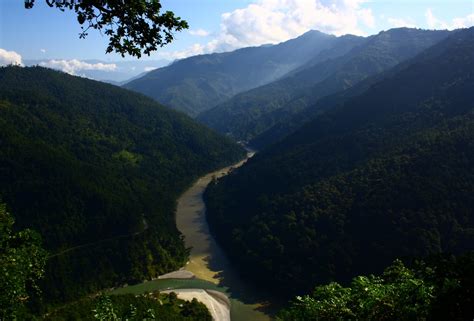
<point x="207" y="261"/>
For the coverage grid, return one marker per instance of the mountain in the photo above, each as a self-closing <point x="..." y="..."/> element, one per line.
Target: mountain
<point x="199" y="83"/>
<point x="387" y="174"/>
<point x="253" y="112"/>
<point x="96" y="170"/>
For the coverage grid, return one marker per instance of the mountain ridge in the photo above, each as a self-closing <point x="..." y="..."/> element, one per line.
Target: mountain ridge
<point x="388" y="174"/>
<point x="87" y="162"/>
<point x="213" y="78"/>
<point x="250" y="113"/>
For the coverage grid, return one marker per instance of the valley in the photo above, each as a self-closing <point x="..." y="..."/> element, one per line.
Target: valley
<point x="142" y="197"/>
<point x="207" y="261"/>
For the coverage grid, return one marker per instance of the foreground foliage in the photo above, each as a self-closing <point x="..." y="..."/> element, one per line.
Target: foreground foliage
<point x="22" y="262"/>
<point x="155" y="306"/>
<point x="440" y="290"/>
<point x="134" y="27"/>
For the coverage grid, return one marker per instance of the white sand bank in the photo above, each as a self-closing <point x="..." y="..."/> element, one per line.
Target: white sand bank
<point x="217" y="303"/>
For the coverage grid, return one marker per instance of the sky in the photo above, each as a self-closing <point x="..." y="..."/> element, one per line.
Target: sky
<point x="51" y="37"/>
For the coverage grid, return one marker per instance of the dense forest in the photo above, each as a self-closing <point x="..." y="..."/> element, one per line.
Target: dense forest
<point x="351" y="61"/>
<point x="96" y="170"/>
<point x="388" y="174"/>
<point x="198" y="83"/>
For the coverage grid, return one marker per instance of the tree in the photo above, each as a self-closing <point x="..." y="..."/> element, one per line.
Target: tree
<point x="134" y="27"/>
<point x="22" y="262"/>
<point x="399" y="294"/>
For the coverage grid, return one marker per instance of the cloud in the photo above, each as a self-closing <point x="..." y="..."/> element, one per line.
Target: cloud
<point x="273" y="21"/>
<point x="399" y="22"/>
<point x="73" y="66"/>
<point x="43" y="50"/>
<point x="199" y="32"/>
<point x="196" y="49"/>
<point x="147" y="69"/>
<point x="464" y="22"/>
<point x="460" y="22"/>
<point x="9" y="58"/>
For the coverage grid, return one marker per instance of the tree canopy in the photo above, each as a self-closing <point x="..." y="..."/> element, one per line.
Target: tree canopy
<point x="22" y="261"/>
<point x="438" y="289"/>
<point x="134" y="27"/>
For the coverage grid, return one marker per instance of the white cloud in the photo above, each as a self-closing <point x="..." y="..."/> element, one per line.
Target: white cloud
<point x="465" y="22"/>
<point x="9" y="58"/>
<point x="460" y="22"/>
<point x="199" y="32"/>
<point x="73" y="66"/>
<point x="274" y="21"/>
<point x="43" y="50"/>
<point x="399" y="22"/>
<point x="147" y="69"/>
<point x="196" y="49"/>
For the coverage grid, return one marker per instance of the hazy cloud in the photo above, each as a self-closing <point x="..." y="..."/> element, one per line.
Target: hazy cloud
<point x="9" y="58"/>
<point x="74" y="66"/>
<point x="199" y="32"/>
<point x="147" y="69"/>
<point x="399" y="22"/>
<point x="43" y="50"/>
<point x="196" y="49"/>
<point x="460" y="22"/>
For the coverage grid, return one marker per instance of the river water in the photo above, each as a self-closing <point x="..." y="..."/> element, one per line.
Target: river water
<point x="208" y="261"/>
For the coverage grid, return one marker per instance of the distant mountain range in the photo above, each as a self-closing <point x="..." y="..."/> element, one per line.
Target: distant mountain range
<point x="198" y="83"/>
<point x="386" y="172"/>
<point x="349" y="62"/>
<point x="246" y="92"/>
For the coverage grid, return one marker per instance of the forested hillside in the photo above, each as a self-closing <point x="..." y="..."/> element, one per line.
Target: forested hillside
<point x="388" y="174"/>
<point x="253" y="112"/>
<point x="199" y="83"/>
<point x="96" y="170"/>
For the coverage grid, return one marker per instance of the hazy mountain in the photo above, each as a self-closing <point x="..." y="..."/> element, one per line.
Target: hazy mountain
<point x="96" y="169"/>
<point x="388" y="174"/>
<point x="199" y="83"/>
<point x="250" y="113"/>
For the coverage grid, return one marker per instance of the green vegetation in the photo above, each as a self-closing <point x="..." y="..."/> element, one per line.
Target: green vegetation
<point x="153" y="306"/>
<point x="22" y="261"/>
<point x="199" y="83"/>
<point x="96" y="170"/>
<point x="389" y="174"/>
<point x="350" y="61"/>
<point x="134" y="28"/>
<point x="440" y="290"/>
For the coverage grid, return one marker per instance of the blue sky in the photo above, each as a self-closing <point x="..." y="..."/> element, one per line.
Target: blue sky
<point x="219" y="25"/>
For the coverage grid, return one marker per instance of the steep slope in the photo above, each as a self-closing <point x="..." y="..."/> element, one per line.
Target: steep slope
<point x="387" y="174"/>
<point x="251" y="113"/>
<point x="96" y="169"/>
<point x="199" y="83"/>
